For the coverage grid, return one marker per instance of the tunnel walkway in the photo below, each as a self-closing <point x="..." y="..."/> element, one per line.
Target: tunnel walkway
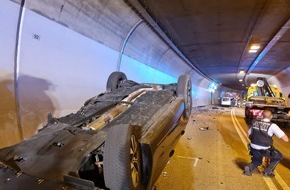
<point x="212" y="154"/>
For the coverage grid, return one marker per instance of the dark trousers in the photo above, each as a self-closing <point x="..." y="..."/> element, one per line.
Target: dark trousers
<point x="257" y="157"/>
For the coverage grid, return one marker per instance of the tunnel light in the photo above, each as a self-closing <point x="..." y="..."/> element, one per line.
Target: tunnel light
<point x="242" y="71"/>
<point x="254" y="48"/>
<point x="212" y="87"/>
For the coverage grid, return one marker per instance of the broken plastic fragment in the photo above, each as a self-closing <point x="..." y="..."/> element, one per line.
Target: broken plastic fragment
<point x="164" y="174"/>
<point x="203" y="128"/>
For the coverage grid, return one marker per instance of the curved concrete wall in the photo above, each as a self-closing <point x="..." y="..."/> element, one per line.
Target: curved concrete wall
<point x="59" y="54"/>
<point x="8" y="112"/>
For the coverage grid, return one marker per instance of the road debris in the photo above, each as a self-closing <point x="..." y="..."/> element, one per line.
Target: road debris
<point x="203" y="128"/>
<point x="164" y="174"/>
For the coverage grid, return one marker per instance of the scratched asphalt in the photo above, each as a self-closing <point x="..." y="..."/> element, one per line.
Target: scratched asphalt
<point x="212" y="154"/>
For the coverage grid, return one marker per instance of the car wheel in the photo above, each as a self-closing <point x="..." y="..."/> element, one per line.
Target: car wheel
<point x="184" y="90"/>
<point x="114" y="80"/>
<point x="122" y="158"/>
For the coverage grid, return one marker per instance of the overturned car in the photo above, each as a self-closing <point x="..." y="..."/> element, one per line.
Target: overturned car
<point x="120" y="139"/>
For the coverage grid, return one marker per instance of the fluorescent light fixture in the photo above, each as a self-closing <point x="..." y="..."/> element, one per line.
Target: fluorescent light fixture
<point x="253" y="50"/>
<point x="241" y="80"/>
<point x="255" y="46"/>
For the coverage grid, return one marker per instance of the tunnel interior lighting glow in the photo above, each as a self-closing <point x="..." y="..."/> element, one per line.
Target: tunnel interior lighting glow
<point x="194" y="92"/>
<point x="242" y="71"/>
<point x="254" y="48"/>
<point x="143" y="73"/>
<point x="212" y="87"/>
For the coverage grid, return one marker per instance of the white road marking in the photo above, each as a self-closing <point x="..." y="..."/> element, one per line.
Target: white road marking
<point x="195" y="162"/>
<point x="243" y="135"/>
<point x="190" y="158"/>
<point x="281" y="182"/>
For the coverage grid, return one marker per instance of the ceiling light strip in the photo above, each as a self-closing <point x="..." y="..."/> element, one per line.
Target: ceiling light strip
<point x="267" y="48"/>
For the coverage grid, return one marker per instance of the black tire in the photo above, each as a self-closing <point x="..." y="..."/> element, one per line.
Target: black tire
<point x="122" y="158"/>
<point x="114" y="80"/>
<point x="184" y="90"/>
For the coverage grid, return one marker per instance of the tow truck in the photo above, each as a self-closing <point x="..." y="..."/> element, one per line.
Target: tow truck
<point x="262" y="96"/>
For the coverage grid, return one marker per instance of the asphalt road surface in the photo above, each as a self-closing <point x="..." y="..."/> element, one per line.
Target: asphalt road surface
<point x="213" y="151"/>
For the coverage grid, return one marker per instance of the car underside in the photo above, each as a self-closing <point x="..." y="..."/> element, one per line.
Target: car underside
<point x="119" y="139"/>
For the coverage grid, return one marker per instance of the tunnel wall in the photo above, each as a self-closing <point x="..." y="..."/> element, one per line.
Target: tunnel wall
<point x="56" y="58"/>
<point x="8" y="112"/>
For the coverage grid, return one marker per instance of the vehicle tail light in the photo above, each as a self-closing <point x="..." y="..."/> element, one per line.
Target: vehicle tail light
<point x="257" y="113"/>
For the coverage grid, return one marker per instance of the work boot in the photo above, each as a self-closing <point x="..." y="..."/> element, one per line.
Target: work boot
<point x="247" y="171"/>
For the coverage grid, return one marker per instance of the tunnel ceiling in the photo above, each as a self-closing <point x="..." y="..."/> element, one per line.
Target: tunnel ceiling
<point x="215" y="36"/>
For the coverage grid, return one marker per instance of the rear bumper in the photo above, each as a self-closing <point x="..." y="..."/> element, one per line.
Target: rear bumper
<point x="279" y="114"/>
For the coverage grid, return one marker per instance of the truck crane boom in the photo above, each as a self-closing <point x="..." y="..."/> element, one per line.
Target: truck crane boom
<point x="263" y="96"/>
